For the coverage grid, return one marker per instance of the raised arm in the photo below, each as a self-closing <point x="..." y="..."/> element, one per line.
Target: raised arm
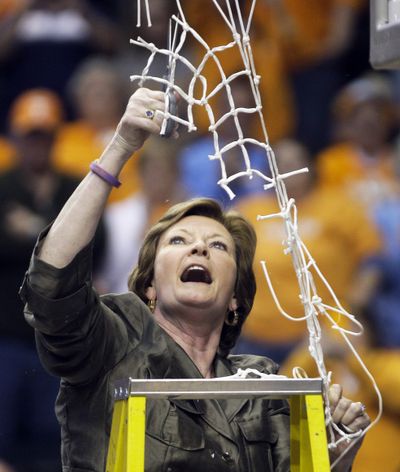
<point x="77" y="222"/>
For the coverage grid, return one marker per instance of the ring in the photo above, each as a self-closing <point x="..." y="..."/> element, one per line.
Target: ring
<point x="150" y="114"/>
<point x="363" y="407"/>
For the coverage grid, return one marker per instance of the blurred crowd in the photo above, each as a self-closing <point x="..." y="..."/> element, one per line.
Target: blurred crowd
<point x="64" y="83"/>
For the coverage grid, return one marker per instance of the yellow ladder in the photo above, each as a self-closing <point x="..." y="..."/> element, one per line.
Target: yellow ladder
<point x="308" y="443"/>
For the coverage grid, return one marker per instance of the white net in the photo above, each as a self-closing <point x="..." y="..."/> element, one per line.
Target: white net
<point x="304" y="265"/>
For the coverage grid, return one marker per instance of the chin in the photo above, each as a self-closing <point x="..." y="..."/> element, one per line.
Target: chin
<point x="199" y="302"/>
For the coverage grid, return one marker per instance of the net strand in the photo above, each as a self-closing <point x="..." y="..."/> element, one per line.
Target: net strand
<point x="139" y="13"/>
<point x="302" y="260"/>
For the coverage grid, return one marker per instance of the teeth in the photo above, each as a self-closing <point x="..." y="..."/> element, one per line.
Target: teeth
<point x="196" y="267"/>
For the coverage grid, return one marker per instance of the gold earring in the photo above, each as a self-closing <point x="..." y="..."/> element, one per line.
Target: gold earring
<point x="152" y="305"/>
<point x="232" y="318"/>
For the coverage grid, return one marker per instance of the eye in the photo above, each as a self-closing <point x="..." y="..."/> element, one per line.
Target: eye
<point x="177" y="240"/>
<point x="219" y="245"/>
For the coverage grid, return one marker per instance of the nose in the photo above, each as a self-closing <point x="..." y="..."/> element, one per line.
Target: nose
<point x="200" y="248"/>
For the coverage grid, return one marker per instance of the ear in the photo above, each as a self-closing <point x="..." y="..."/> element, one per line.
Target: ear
<point x="151" y="293"/>
<point x="233" y="305"/>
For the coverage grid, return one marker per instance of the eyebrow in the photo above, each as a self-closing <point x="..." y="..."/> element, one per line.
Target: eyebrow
<point x="217" y="235"/>
<point x="211" y="236"/>
<point x="181" y="229"/>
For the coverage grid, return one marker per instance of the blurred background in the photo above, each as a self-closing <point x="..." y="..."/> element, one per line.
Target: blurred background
<point x="64" y="83"/>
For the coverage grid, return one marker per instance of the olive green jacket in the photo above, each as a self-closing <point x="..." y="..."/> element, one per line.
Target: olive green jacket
<point x="91" y="342"/>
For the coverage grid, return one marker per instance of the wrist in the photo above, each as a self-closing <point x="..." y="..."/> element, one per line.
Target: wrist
<point x="104" y="175"/>
<point x="122" y="145"/>
<point x="116" y="154"/>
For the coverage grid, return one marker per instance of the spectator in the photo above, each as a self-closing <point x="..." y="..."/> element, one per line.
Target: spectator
<point x="31" y="194"/>
<point x="382" y="311"/>
<point x="314" y="37"/>
<point x="362" y="162"/>
<point x="99" y="95"/>
<point x="43" y="42"/>
<point x="336" y="232"/>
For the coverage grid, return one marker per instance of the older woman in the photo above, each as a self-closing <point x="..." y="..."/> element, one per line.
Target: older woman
<point x="195" y="274"/>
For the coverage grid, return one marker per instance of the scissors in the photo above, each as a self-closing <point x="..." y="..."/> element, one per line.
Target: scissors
<point x="172" y="103"/>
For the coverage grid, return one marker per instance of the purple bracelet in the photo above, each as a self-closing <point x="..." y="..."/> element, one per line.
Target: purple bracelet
<point x="103" y="174"/>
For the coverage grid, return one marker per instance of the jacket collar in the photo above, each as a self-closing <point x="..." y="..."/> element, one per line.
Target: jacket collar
<point x="218" y="414"/>
<point x="169" y="360"/>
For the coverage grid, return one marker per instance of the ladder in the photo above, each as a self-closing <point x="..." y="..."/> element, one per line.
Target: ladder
<point x="308" y="443"/>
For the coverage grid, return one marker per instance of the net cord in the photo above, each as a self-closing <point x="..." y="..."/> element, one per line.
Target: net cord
<point x="302" y="259"/>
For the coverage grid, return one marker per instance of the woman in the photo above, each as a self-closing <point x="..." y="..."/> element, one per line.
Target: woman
<point x="195" y="273"/>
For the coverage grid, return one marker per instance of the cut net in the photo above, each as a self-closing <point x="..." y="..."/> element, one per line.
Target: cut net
<point x="304" y="265"/>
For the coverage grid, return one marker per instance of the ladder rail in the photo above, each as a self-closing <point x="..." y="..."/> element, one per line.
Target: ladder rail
<point x="309" y="448"/>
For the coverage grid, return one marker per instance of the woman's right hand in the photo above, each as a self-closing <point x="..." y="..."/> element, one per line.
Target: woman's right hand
<point x="141" y="118"/>
<point x="76" y="224"/>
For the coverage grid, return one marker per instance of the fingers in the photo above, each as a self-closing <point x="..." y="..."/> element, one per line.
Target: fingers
<point x="356" y="418"/>
<point x="143" y="110"/>
<point x="346" y="412"/>
<point x="340" y="410"/>
<point x="354" y="410"/>
<point x="334" y="395"/>
<point x="360" y="422"/>
<point x="143" y="116"/>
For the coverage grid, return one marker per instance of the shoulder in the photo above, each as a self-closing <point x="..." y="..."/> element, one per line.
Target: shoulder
<point x="339" y="150"/>
<point x="323" y="196"/>
<point x="249" y="361"/>
<point x="130" y="309"/>
<point x="124" y="303"/>
<point x="336" y="161"/>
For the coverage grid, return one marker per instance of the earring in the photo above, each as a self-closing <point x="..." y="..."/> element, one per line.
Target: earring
<point x="232" y="318"/>
<point x="152" y="305"/>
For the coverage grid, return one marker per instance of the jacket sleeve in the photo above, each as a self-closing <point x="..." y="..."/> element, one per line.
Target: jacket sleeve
<point x="77" y="335"/>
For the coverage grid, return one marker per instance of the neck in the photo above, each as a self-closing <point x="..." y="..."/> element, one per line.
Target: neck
<point x="199" y="342"/>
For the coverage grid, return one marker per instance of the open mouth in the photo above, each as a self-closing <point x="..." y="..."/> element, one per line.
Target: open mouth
<point x="196" y="273"/>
